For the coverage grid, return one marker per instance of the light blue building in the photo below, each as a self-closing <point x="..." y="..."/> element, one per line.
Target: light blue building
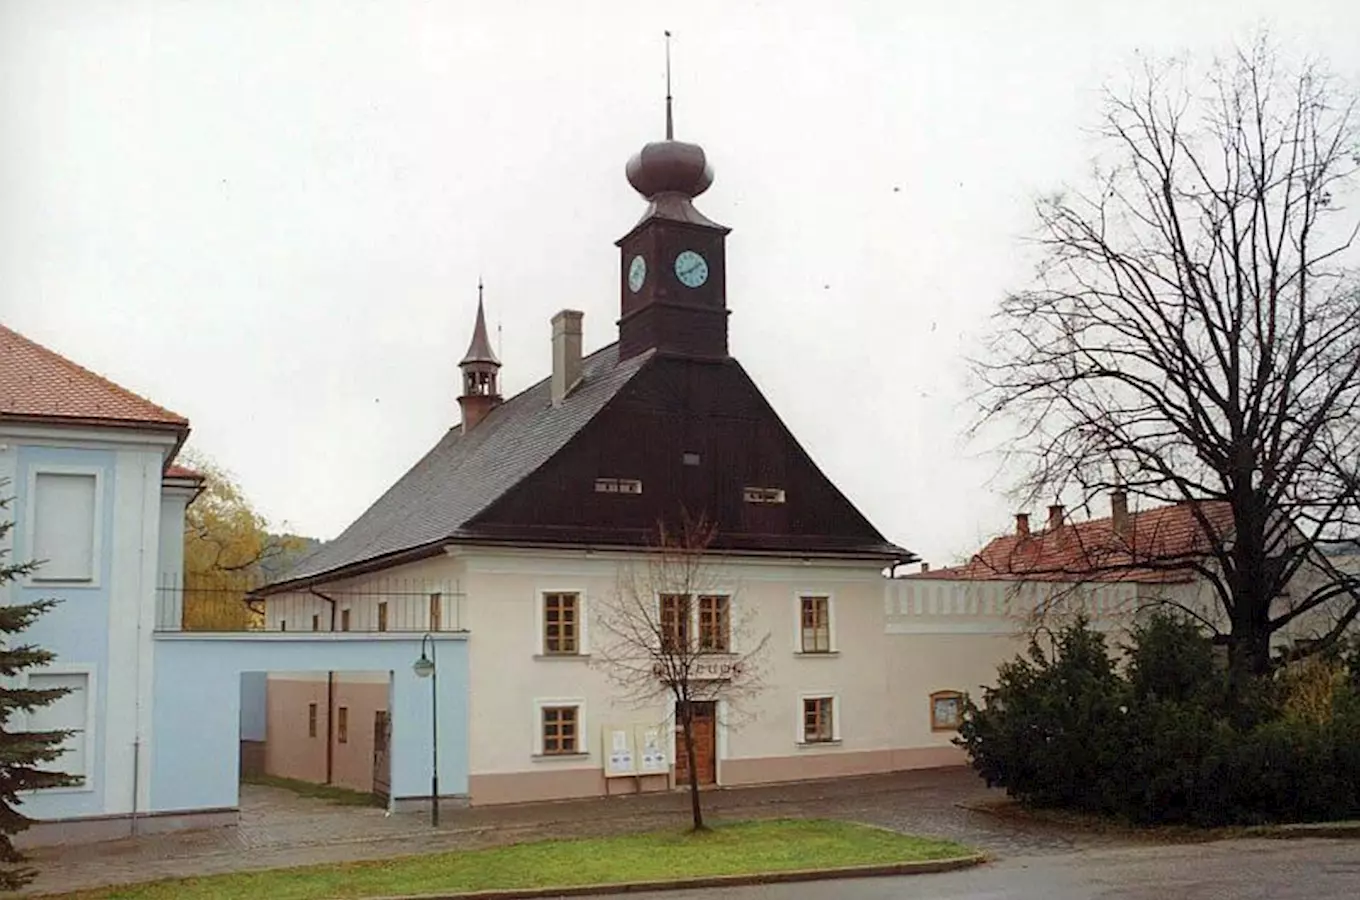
<point x="155" y="714"/>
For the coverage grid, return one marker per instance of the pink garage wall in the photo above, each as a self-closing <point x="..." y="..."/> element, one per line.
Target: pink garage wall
<point x="353" y="763"/>
<point x="291" y="752"/>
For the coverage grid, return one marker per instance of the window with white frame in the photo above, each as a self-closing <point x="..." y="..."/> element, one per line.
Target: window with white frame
<point x="70" y="713"/>
<point x="559" y="728"/>
<point x="561" y="623"/>
<point x="65" y="507"/>
<point x="819" y="722"/>
<point x="814" y="624"/>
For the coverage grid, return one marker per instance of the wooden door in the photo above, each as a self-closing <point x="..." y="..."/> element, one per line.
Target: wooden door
<point x="382" y="754"/>
<point x="705" y="746"/>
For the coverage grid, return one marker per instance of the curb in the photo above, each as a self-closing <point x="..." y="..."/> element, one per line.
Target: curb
<point x="1335" y="830"/>
<point x="921" y="867"/>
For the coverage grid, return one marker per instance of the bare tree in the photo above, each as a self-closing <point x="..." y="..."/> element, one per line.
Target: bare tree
<point x="671" y="634"/>
<point x="1193" y="334"/>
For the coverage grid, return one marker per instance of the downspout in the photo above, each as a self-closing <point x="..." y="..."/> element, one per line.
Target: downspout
<point x="330" y="699"/>
<point x="137" y="662"/>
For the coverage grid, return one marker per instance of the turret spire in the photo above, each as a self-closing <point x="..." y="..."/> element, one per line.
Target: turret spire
<point x="670" y="121"/>
<point x="481" y="368"/>
<point x="480" y="348"/>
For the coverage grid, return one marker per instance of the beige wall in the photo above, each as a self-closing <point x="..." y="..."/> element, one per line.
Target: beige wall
<point x="896" y="642"/>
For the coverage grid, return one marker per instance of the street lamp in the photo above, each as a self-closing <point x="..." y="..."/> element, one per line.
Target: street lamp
<point x="425" y="668"/>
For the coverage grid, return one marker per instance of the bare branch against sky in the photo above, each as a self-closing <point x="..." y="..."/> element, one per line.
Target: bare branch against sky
<point x="271" y="217"/>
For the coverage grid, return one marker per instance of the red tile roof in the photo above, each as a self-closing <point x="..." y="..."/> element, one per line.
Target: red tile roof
<point x="37" y="383"/>
<point x="1158" y="545"/>
<point x="184" y="472"/>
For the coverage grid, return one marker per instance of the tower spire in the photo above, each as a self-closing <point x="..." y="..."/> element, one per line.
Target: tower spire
<point x="670" y="121"/>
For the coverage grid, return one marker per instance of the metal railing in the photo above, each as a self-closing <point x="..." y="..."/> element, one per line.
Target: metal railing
<point x="228" y="602"/>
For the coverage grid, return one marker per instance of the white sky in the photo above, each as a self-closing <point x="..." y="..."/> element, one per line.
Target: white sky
<point x="271" y="216"/>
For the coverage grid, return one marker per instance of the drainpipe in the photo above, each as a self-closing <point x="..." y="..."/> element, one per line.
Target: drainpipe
<point x="330" y="700"/>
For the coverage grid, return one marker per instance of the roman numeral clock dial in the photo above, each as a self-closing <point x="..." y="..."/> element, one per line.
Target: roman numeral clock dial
<point x="691" y="269"/>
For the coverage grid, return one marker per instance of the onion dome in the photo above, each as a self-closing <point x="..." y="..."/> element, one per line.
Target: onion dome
<point x="670" y="167"/>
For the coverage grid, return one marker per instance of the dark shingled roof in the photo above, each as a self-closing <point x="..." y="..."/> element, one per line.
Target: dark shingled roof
<point x="464" y="474"/>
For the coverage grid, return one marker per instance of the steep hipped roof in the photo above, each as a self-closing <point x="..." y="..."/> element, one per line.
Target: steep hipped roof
<point x="40" y="384"/>
<point x="465" y="473"/>
<point x="1157" y="543"/>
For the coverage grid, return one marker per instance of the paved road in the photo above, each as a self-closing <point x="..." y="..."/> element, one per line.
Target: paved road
<point x="1224" y="870"/>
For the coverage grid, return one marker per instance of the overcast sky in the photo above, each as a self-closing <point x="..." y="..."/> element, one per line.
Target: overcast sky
<point x="271" y="216"/>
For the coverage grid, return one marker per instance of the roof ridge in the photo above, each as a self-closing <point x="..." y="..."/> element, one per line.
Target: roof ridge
<point x="70" y="364"/>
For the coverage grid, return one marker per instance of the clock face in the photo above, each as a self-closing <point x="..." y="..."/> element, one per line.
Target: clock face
<point x="691" y="269"/>
<point x="637" y="273"/>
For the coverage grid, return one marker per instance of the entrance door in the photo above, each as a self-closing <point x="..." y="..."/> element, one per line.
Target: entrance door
<point x="382" y="754"/>
<point x="705" y="746"/>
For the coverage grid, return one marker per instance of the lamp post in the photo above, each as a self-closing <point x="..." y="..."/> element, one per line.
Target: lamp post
<point x="425" y="668"/>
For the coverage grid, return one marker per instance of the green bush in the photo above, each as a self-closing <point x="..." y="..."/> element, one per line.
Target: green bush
<point x="1163" y="741"/>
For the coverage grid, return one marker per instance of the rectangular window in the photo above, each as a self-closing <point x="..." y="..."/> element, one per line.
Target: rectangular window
<point x="815" y="627"/>
<point x="818" y="724"/>
<point x="316" y="623"/>
<point x="560" y="730"/>
<point x="311" y="720"/>
<point x="715" y="627"/>
<point x="344" y="620"/>
<point x="763" y="495"/>
<point x="435" y="611"/>
<point x="674" y="621"/>
<point x="618" y="486"/>
<point x="67" y="713"/>
<point x="64" y="526"/>
<point x="946" y="710"/>
<point x="342" y="725"/>
<point x="382" y="616"/>
<point x="561" y="624"/>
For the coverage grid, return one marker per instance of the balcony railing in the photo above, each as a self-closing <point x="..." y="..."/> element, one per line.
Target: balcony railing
<point x="228" y="602"/>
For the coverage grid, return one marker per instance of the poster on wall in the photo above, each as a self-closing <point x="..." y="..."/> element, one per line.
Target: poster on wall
<point x="619" y="758"/>
<point x="653" y="750"/>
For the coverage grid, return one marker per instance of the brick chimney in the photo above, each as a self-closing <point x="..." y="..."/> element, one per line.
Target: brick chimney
<point x="1055" y="517"/>
<point x="1119" y="513"/>
<point x="1022" y="524"/>
<point x="925" y="566"/>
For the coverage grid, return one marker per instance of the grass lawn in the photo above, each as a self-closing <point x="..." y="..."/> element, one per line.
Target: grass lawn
<point x="740" y="848"/>
<point x="327" y="792"/>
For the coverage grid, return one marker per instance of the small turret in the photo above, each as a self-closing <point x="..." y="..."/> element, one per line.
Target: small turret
<point x="481" y="373"/>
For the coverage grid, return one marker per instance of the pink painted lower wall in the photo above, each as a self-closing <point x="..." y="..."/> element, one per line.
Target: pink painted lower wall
<point x="554" y="784"/>
<point x="292" y="751"/>
<point x="562" y="784"/>
<point x="800" y="767"/>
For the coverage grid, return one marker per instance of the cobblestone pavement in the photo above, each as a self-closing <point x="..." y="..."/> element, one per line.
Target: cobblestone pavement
<point x="278" y="828"/>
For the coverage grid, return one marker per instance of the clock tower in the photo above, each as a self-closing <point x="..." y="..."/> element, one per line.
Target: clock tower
<point x="672" y="265"/>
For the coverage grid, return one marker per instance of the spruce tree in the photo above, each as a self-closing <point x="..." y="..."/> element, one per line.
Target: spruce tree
<point x="22" y="753"/>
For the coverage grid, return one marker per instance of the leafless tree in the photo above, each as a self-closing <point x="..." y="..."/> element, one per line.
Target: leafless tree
<point x="673" y="633"/>
<point x="1193" y="332"/>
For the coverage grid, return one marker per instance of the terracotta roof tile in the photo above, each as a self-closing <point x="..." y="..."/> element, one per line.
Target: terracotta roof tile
<point x="1158" y="543"/>
<point x="36" y="382"/>
<point x="184" y="472"/>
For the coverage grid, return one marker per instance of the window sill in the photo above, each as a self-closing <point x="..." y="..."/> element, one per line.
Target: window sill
<point x="553" y="657"/>
<point x="85" y="787"/>
<point x="549" y="757"/>
<point x="943" y="729"/>
<point x="809" y="745"/>
<point x="816" y="654"/>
